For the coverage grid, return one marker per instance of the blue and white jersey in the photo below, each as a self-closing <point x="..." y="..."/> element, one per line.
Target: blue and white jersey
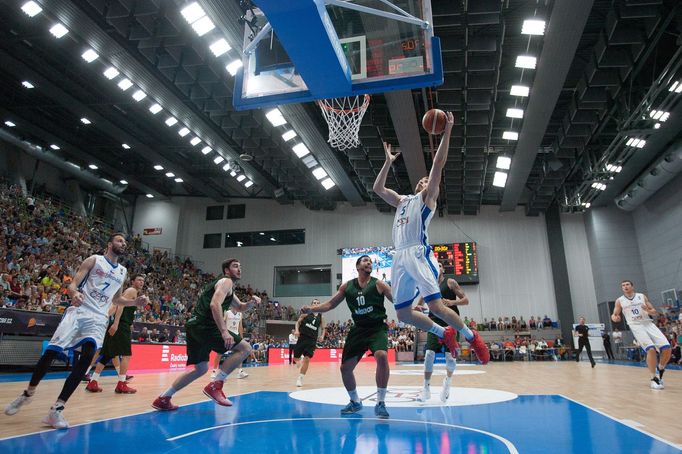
<point x="100" y="285"/>
<point x="411" y="222"/>
<point x="634" y="309"/>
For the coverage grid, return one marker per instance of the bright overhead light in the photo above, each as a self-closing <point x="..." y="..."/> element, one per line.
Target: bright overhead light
<point x="206" y="150"/>
<point x="234" y="66"/>
<point x="510" y="135"/>
<point x="641" y="143"/>
<point x="192" y="12"/>
<point x="241" y="178"/>
<point x="125" y="84"/>
<point x="500" y="179"/>
<point x="290" y="134"/>
<point x="170" y="121"/>
<point x="58" y="30"/>
<point x="319" y="173"/>
<point x="150" y="196"/>
<point x="635" y="142"/>
<point x="111" y="72"/>
<point x="503" y="162"/>
<point x="657" y="125"/>
<point x="309" y="161"/>
<point x="203" y="26"/>
<point x="233" y="174"/>
<point x="155" y="108"/>
<point x="599" y="186"/>
<point x="179" y="180"/>
<point x="93" y="167"/>
<point x="676" y="87"/>
<point x="27" y="84"/>
<point x="123" y="182"/>
<point x="588" y="204"/>
<point x="515" y="113"/>
<point x="275" y="117"/>
<point x="158" y="167"/>
<point x="218" y="159"/>
<point x="139" y="95"/>
<point x="614" y="168"/>
<point x="273" y="239"/>
<point x="31" y="8"/>
<point x="533" y="27"/>
<point x="248" y="184"/>
<point x="85" y="121"/>
<point x="125" y="146"/>
<point x="328" y="183"/>
<point x="220" y="47"/>
<point x="170" y="174"/>
<point x="665" y="116"/>
<point x="183" y="131"/>
<point x="526" y="61"/>
<point x="90" y="55"/>
<point x="226" y="167"/>
<point x="195" y="141"/>
<point x="10" y="124"/>
<point x="519" y="90"/>
<point x="300" y="150"/>
<point x="659" y="115"/>
<point x="54" y="147"/>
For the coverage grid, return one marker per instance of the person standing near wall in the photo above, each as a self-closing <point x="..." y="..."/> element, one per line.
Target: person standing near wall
<point x="582" y="331"/>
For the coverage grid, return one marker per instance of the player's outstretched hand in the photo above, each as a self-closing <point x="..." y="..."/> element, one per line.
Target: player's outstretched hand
<point x="306" y="310"/>
<point x="450" y="120"/>
<point x="390" y="157"/>
<point x="228" y="340"/>
<point x="141" y="301"/>
<point x="77" y="299"/>
<point x="255" y="299"/>
<point x="615" y="318"/>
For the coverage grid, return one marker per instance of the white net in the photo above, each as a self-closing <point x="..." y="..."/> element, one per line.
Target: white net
<point x="344" y="116"/>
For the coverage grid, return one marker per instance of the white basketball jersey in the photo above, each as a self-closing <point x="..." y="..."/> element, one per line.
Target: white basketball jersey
<point x="634" y="309"/>
<point x="233" y="321"/>
<point x="411" y="222"/>
<point x="101" y="284"/>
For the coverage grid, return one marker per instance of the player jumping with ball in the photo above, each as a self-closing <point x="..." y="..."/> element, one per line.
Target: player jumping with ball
<point x="415" y="270"/>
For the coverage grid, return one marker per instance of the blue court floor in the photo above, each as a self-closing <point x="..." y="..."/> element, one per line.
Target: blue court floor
<point x="273" y="422"/>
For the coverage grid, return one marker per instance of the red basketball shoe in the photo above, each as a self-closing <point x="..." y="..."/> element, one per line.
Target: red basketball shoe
<point x="164" y="404"/>
<point x="123" y="388"/>
<point x="214" y="390"/>
<point x="478" y="345"/>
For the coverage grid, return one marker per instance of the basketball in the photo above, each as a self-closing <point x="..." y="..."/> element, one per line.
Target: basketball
<point x="434" y="121"/>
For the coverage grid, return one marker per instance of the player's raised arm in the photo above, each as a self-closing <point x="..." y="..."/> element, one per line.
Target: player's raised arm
<point x="327" y="305"/>
<point x="390" y="196"/>
<point x="433" y="187"/>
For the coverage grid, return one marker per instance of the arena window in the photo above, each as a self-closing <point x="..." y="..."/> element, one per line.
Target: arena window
<point x="313" y="280"/>
<point x="212" y="240"/>
<point x="215" y="212"/>
<point x="265" y="238"/>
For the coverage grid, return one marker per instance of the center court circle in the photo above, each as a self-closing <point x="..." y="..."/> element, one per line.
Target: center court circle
<point x="344" y="435"/>
<point x="406" y="396"/>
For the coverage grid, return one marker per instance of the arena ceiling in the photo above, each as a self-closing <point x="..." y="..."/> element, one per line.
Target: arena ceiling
<point x="602" y="68"/>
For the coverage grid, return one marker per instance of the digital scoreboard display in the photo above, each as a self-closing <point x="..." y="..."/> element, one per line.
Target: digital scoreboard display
<point x="460" y="261"/>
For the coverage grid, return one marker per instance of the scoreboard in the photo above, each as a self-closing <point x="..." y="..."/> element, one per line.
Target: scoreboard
<point x="460" y="261"/>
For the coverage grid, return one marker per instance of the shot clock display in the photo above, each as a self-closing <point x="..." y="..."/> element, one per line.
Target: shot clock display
<point x="460" y="261"/>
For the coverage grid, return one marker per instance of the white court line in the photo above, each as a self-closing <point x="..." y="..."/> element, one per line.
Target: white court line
<point x="662" y="440"/>
<point x="113" y="417"/>
<point x="510" y="446"/>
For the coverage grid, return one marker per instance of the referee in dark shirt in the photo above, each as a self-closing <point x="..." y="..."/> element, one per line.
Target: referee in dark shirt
<point x="583" y="341"/>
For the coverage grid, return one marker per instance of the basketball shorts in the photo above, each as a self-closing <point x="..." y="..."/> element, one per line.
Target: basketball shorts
<point x="118" y="344"/>
<point x="305" y="346"/>
<point x="649" y="336"/>
<point x="77" y="327"/>
<point x="414" y="272"/>
<point x="360" y="339"/>
<point x="202" y="340"/>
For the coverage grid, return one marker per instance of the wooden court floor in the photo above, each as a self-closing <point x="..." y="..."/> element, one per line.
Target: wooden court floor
<point x="621" y="392"/>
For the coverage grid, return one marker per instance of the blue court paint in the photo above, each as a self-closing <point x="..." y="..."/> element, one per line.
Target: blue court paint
<point x="272" y="422"/>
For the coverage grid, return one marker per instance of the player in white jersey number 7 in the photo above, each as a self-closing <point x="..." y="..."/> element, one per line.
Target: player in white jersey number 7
<point x="96" y="286"/>
<point x="415" y="270"/>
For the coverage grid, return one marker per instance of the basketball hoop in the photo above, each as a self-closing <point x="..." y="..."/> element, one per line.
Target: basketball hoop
<point x="344" y="115"/>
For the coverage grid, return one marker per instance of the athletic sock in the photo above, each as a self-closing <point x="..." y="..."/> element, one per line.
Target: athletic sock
<point x="427" y="382"/>
<point x="87" y="372"/>
<point x="121" y="378"/>
<point x="57" y="407"/>
<point x="301" y="376"/>
<point x="466" y="332"/>
<point x="437" y="330"/>
<point x="29" y="392"/>
<point x="381" y="394"/>
<point x="354" y="395"/>
<point x="660" y="372"/>
<point x="169" y="392"/>
<point x="95" y="376"/>
<point x="220" y="376"/>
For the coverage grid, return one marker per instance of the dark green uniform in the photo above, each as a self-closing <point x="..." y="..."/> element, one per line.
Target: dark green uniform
<point x="119" y="343"/>
<point x="369" y="331"/>
<point x="309" y="330"/>
<point x="432" y="341"/>
<point x="203" y="336"/>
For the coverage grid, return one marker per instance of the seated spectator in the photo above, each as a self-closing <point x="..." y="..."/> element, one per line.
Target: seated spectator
<point x="547" y="322"/>
<point x="531" y="323"/>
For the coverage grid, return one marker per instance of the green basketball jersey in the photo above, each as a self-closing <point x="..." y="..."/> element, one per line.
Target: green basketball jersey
<point x="447" y="293"/>
<point x="310" y="326"/>
<point x="127" y="317"/>
<point x="366" y="304"/>
<point x="202" y="315"/>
